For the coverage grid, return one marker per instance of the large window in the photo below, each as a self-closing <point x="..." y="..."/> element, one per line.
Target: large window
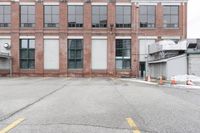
<point x="99" y="16"/>
<point x="5" y="16"/>
<point x="51" y="16"/>
<point x="75" y="16"/>
<point x="123" y="16"/>
<point x="123" y="53"/>
<point x="147" y="16"/>
<point x="27" y="53"/>
<point x="171" y="16"/>
<point x="75" y="53"/>
<point x="27" y="16"/>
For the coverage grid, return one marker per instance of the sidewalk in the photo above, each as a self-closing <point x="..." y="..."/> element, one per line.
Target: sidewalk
<point x="165" y="83"/>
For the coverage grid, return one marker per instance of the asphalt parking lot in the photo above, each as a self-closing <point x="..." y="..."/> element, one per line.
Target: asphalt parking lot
<point x="95" y="105"/>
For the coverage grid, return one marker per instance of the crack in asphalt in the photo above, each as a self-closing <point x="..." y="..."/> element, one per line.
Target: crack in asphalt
<point x="5" y="117"/>
<point x="84" y="125"/>
<point x="131" y="108"/>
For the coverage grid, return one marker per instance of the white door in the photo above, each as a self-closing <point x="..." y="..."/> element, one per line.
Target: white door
<point x="99" y="54"/>
<point x="51" y="54"/>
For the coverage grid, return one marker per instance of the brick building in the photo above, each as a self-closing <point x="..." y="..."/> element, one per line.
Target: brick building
<point x="85" y="37"/>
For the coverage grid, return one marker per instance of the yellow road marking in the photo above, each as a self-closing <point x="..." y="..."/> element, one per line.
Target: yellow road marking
<point x="12" y="125"/>
<point x="133" y="125"/>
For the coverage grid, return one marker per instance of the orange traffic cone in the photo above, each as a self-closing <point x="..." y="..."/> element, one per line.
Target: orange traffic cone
<point x="160" y="81"/>
<point x="149" y="78"/>
<point x="189" y="82"/>
<point x="173" y="81"/>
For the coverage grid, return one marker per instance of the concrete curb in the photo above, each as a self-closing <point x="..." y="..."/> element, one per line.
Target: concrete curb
<point x="166" y="84"/>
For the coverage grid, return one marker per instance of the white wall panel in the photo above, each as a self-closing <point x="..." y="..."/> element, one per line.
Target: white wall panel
<point x="143" y="48"/>
<point x="4" y="63"/>
<point x="99" y="54"/>
<point x="2" y="42"/>
<point x="51" y="54"/>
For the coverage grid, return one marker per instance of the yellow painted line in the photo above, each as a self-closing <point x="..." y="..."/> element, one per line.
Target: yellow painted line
<point x="133" y="125"/>
<point x="12" y="125"/>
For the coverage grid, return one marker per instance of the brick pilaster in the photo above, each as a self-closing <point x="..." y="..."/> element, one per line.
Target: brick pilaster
<point x="87" y="39"/>
<point x="111" y="39"/>
<point x="39" y="40"/>
<point x="15" y="37"/>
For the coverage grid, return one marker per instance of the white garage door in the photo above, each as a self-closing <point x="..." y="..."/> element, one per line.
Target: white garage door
<point x="99" y="54"/>
<point x="51" y="54"/>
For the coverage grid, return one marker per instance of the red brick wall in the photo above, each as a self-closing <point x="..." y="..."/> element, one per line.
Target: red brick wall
<point x="87" y="32"/>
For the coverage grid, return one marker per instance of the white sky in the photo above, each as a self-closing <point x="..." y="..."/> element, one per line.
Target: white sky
<point x="194" y="19"/>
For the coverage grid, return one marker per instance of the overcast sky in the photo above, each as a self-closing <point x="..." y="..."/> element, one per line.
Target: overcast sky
<point x="194" y="19"/>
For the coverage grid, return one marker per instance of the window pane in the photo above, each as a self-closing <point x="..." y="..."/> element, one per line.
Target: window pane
<point x="24" y="44"/>
<point x="166" y="19"/>
<point x="79" y="44"/>
<point x="143" y="18"/>
<point x="126" y="53"/>
<point x="55" y="19"/>
<point x="79" y="10"/>
<point x="72" y="54"/>
<point x="6" y="9"/>
<point x="123" y="53"/>
<point x="71" y="64"/>
<point x="95" y="10"/>
<point x="71" y="18"/>
<point x="31" y="54"/>
<point x="119" y="10"/>
<point x="75" y="53"/>
<point x="79" y="19"/>
<point x="24" y="64"/>
<point x="1" y="9"/>
<point x="27" y="54"/>
<point x="55" y="10"/>
<point x="1" y="19"/>
<point x="47" y="9"/>
<point x="174" y="10"/>
<point x="79" y="54"/>
<point x="24" y="18"/>
<point x="79" y="64"/>
<point x="32" y="44"/>
<point x="95" y="19"/>
<point x="103" y="10"/>
<point x="31" y="9"/>
<point x="151" y="19"/>
<point x="47" y="18"/>
<point x="174" y="19"/>
<point x="119" y="64"/>
<point x="167" y="10"/>
<point x="24" y="54"/>
<point x="119" y="19"/>
<point x="72" y="44"/>
<point x="7" y="18"/>
<point x="31" y="19"/>
<point x="103" y="19"/>
<point x="143" y="9"/>
<point x="127" y="19"/>
<point x="126" y="64"/>
<point x="127" y="10"/>
<point x="71" y="9"/>
<point x="23" y="9"/>
<point x="31" y="64"/>
<point x="119" y="52"/>
<point x="151" y="10"/>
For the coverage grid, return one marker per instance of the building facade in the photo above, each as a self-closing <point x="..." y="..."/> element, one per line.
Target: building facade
<point x="86" y="38"/>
